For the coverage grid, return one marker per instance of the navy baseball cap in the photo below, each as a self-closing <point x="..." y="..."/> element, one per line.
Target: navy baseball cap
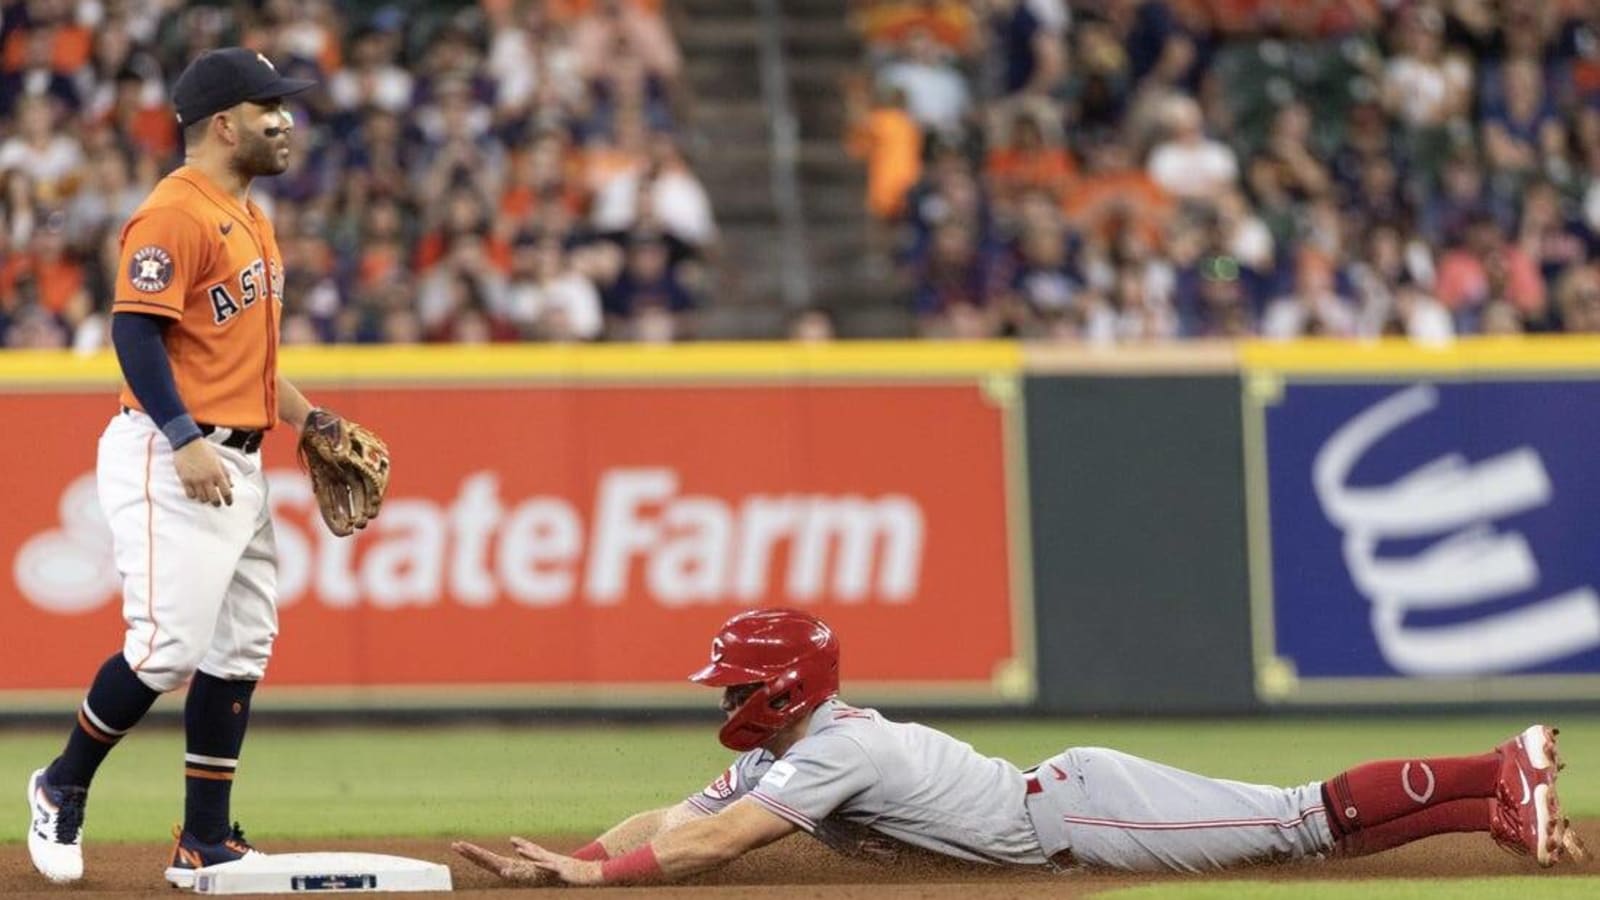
<point x="220" y="79"/>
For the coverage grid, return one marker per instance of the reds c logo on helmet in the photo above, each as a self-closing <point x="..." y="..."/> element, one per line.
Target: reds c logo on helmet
<point x="794" y="656"/>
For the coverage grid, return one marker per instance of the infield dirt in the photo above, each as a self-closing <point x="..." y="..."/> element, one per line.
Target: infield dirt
<point x="798" y="867"/>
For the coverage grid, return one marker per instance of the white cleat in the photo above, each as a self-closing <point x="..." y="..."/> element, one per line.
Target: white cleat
<point x="1546" y="818"/>
<point x="55" y="836"/>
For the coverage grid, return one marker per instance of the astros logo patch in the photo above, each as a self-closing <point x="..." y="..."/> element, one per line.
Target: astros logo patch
<point x="151" y="269"/>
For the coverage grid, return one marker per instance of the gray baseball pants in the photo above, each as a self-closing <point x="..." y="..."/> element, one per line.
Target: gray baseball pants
<point x="1116" y="811"/>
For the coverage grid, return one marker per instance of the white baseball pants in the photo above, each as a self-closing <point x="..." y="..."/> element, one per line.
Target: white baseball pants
<point x="199" y="583"/>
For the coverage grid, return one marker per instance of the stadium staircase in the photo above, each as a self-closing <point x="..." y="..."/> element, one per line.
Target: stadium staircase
<point x="753" y="290"/>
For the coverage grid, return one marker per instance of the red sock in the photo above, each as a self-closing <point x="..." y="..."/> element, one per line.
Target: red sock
<point x="1469" y="814"/>
<point x="1378" y="792"/>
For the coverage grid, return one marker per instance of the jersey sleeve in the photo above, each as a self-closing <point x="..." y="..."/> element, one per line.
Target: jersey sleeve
<point x="735" y="782"/>
<point x="163" y="254"/>
<point x="817" y="776"/>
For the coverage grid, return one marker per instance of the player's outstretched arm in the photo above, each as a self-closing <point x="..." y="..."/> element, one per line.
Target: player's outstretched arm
<point x="634" y="831"/>
<point x="694" y="846"/>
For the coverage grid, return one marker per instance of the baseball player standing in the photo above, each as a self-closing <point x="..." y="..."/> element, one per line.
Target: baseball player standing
<point x="868" y="786"/>
<point x="195" y="325"/>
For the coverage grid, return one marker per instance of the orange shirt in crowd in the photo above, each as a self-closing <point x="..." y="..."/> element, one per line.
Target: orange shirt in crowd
<point x="1586" y="75"/>
<point x="1322" y="17"/>
<point x="1463" y="280"/>
<point x="58" y="282"/>
<point x="153" y="129"/>
<point x="1090" y="202"/>
<point x="70" y="48"/>
<point x="433" y="246"/>
<point x="521" y="199"/>
<point x="891" y="143"/>
<point x="948" y="22"/>
<point x="331" y="59"/>
<point x="380" y="262"/>
<point x="55" y="282"/>
<point x="603" y="162"/>
<point x="12" y="268"/>
<point x="571" y="10"/>
<point x="1012" y="171"/>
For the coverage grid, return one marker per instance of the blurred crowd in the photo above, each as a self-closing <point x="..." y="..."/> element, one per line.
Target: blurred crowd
<point x="1127" y="170"/>
<point x="499" y="172"/>
<point x="1099" y="170"/>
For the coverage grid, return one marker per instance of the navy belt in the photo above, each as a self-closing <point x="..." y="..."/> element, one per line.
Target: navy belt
<point x="242" y="439"/>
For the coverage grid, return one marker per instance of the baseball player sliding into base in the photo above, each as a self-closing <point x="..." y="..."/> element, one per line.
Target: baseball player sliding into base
<point x="868" y="786"/>
<point x="195" y="325"/>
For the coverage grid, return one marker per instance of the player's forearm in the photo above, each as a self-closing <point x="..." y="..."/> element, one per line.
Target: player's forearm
<point x="694" y="847"/>
<point x="143" y="357"/>
<point x="691" y="859"/>
<point x="293" y="407"/>
<point x="641" y="828"/>
<point x="672" y="854"/>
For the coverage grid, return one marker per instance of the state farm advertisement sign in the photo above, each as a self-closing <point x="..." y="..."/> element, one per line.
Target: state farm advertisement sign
<point x="571" y="535"/>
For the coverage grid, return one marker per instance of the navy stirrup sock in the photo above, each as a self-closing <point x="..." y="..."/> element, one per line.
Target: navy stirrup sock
<point x="116" y="702"/>
<point x="214" y="720"/>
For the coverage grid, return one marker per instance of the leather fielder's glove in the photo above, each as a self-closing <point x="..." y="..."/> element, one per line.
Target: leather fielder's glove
<point x="349" y="468"/>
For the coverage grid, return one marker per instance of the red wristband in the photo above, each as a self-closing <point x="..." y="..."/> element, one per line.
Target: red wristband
<point x="594" y="851"/>
<point x="635" y="865"/>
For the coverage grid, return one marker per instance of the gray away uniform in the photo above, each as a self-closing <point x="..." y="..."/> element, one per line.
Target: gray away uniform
<point x="860" y="783"/>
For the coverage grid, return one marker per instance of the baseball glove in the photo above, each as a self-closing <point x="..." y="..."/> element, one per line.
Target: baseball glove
<point x="349" y="468"/>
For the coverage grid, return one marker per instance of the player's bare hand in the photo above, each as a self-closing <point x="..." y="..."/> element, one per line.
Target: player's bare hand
<point x="565" y="868"/>
<point x="201" y="471"/>
<point x="509" y="868"/>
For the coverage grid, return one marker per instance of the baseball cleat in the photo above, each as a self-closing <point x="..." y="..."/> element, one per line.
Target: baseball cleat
<point x="190" y="854"/>
<point x="1526" y="817"/>
<point x="55" y="837"/>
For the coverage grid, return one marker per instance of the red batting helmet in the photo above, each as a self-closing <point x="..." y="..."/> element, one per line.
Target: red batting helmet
<point x="793" y="655"/>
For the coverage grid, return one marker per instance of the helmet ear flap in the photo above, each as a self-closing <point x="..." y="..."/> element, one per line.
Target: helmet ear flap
<point x="751" y="723"/>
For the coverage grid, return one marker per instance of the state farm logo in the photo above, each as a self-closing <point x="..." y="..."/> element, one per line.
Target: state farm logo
<point x="70" y="569"/>
<point x="643" y="534"/>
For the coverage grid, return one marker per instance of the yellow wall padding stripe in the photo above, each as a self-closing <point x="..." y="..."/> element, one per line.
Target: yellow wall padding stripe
<point x="1478" y="354"/>
<point x="853" y="359"/>
<point x="629" y="362"/>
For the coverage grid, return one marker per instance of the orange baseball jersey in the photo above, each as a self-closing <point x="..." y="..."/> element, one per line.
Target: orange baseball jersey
<point x="194" y="254"/>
